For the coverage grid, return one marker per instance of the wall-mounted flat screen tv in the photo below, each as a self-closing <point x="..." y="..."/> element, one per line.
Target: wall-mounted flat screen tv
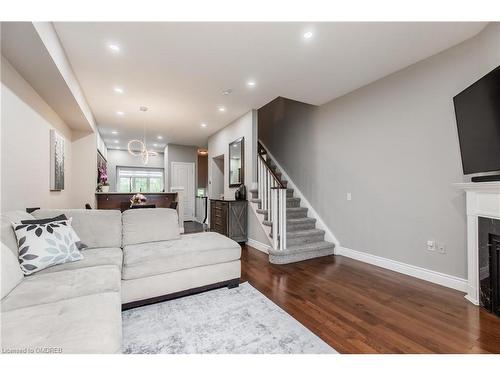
<point x="477" y="110"/>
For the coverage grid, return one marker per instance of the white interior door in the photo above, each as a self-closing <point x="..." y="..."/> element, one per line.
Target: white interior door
<point x="183" y="177"/>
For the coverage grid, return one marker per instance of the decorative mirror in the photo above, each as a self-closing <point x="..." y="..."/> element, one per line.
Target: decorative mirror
<point x="237" y="162"/>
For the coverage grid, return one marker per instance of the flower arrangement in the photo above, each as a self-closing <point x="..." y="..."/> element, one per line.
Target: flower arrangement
<point x="103" y="184"/>
<point x="137" y="199"/>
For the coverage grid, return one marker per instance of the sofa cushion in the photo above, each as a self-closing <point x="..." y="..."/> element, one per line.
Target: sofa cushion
<point x="96" y="228"/>
<point x="191" y="250"/>
<point x="11" y="272"/>
<point x="57" y="286"/>
<point x="88" y="324"/>
<point x="7" y="232"/>
<point x="92" y="257"/>
<point x="45" y="245"/>
<point x="149" y="224"/>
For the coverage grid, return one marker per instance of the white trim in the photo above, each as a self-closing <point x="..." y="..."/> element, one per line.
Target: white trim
<point x="482" y="200"/>
<point x="407" y="269"/>
<point x="311" y="212"/>
<point x="259" y="245"/>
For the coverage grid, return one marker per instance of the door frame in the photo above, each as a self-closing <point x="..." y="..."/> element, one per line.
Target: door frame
<point x="192" y="198"/>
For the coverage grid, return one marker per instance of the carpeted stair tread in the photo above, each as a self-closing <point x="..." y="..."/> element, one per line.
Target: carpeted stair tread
<point x="288" y="199"/>
<point x="304" y="233"/>
<point x="302" y="252"/>
<point x="294" y="211"/>
<point x="293" y="221"/>
<point x="305" y="248"/>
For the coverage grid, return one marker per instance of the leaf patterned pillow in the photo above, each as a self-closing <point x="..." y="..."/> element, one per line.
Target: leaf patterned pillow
<point x="44" y="245"/>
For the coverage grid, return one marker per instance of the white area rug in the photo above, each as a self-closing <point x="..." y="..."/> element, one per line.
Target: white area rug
<point x="239" y="320"/>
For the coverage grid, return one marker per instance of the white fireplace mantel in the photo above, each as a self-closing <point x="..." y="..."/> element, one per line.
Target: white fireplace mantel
<point x="483" y="200"/>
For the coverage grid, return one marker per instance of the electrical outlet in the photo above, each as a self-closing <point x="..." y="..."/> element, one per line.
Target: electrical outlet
<point x="349" y="196"/>
<point x="441" y="248"/>
<point x="431" y="245"/>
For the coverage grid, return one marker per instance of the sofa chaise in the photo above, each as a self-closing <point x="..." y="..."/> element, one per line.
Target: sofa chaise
<point x="132" y="259"/>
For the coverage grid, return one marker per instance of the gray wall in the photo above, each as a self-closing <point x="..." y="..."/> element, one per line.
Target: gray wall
<point x="218" y="145"/>
<point x="393" y="144"/>
<point x="121" y="158"/>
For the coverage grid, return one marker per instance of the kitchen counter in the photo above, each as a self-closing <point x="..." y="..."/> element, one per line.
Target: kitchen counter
<point x="121" y="201"/>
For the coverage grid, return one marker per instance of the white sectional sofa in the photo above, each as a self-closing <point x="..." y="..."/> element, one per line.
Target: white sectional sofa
<point x="132" y="259"/>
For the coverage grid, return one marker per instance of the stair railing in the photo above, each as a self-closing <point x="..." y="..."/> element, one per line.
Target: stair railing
<point x="272" y="195"/>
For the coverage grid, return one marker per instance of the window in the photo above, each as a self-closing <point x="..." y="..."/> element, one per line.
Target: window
<point x="139" y="180"/>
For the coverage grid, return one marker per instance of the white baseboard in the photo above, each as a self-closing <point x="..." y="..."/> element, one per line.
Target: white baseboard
<point x="258" y="245"/>
<point x="407" y="269"/>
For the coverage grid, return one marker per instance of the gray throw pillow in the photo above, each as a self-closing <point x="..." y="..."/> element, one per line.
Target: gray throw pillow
<point x="44" y="245"/>
<point x="80" y="245"/>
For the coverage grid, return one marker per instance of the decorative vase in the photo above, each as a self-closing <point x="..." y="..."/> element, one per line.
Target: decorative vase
<point x="105" y="188"/>
<point x="241" y="193"/>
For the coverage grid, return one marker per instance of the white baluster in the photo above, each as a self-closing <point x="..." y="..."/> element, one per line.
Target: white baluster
<point x="280" y="218"/>
<point x="268" y="179"/>
<point x="271" y="204"/>
<point x="275" y="219"/>
<point x="264" y="190"/>
<point x="259" y="178"/>
<point x="261" y="183"/>
<point x="284" y="219"/>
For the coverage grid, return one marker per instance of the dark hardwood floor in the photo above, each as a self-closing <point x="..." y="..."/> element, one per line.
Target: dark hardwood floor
<point x="359" y="308"/>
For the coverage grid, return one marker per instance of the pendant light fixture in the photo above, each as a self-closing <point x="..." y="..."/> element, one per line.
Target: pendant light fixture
<point x="140" y="148"/>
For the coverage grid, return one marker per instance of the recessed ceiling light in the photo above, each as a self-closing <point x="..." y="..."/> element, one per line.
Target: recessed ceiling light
<point x="114" y="47"/>
<point x="308" y="35"/>
<point x="114" y="132"/>
<point x="155" y="144"/>
<point x="120" y="113"/>
<point x="222" y="109"/>
<point x="116" y="141"/>
<point x="251" y="83"/>
<point x="227" y="92"/>
<point x="203" y="125"/>
<point x="119" y="90"/>
<point x="159" y="137"/>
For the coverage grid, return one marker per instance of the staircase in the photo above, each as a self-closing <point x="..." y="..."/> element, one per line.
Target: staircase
<point x="293" y="234"/>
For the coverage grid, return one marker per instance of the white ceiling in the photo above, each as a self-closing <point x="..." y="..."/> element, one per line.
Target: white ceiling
<point x="179" y="70"/>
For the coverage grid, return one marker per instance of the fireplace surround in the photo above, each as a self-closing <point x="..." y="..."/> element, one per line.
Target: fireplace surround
<point x="489" y="265"/>
<point x="483" y="230"/>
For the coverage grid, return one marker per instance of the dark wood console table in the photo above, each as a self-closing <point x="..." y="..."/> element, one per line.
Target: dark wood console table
<point x="120" y="201"/>
<point x="229" y="217"/>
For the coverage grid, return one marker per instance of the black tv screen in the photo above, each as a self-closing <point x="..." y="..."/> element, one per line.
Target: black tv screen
<point x="477" y="110"/>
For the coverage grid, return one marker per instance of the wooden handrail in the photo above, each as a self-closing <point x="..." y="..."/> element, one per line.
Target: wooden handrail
<point x="273" y="173"/>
